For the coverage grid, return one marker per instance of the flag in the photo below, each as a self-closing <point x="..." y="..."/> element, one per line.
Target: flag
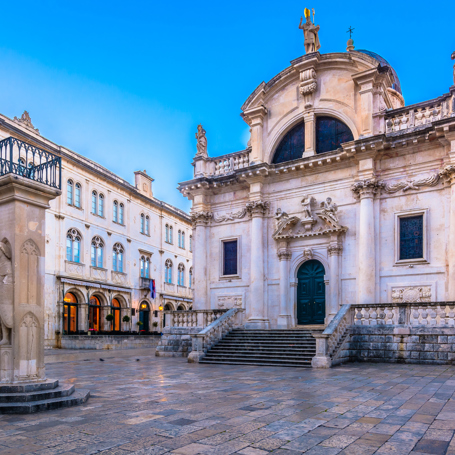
<point x="152" y="289"/>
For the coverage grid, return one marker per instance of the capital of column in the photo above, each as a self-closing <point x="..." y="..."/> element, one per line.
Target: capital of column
<point x="335" y="249"/>
<point x="366" y="188"/>
<point x="448" y="174"/>
<point x="201" y="218"/>
<point x="257" y="208"/>
<point x="284" y="254"/>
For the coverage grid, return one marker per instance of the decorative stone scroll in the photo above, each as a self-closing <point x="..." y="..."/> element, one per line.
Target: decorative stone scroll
<point x="308" y="85"/>
<point x="257" y="208"/>
<point x="366" y="188"/>
<point x="284" y="254"/>
<point x="231" y="216"/>
<point x="415" y="184"/>
<point x="201" y="218"/>
<point x="335" y="249"/>
<point x="411" y="294"/>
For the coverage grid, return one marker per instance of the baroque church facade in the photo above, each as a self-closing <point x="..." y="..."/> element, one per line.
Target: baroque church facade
<point x="344" y="195"/>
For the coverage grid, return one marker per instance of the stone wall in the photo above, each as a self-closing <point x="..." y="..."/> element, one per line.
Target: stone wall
<point x="430" y="345"/>
<point x="176" y="341"/>
<point x="109" y="341"/>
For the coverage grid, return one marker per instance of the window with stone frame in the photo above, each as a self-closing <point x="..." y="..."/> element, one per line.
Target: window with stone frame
<point x="168" y="271"/>
<point x="181" y="275"/>
<point x="115" y="212"/>
<point x="94" y="202"/>
<point x="73" y="245"/>
<point x="411" y="237"/>
<point x="121" y="214"/>
<point x="330" y="134"/>
<point x="97" y="252"/>
<point x="117" y="257"/>
<point x="230" y="257"/>
<point x="142" y="223"/>
<point x="190" y="278"/>
<point x="145" y="267"/>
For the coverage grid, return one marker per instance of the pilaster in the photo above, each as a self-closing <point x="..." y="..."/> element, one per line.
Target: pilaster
<point x="284" y="256"/>
<point x="255" y="118"/>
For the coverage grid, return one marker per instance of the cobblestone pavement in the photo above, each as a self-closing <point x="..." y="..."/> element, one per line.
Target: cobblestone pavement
<point x="164" y="405"/>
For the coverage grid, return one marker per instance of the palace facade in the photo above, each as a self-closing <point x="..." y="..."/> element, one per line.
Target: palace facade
<point x="106" y="240"/>
<point x="343" y="195"/>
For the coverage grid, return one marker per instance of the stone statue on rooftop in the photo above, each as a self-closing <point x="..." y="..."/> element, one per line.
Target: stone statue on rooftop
<point x="310" y="33"/>
<point x="453" y="58"/>
<point x="201" y="141"/>
<point x="6" y="292"/>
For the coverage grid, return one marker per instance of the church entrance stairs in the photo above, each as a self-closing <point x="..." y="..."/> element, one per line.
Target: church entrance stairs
<point x="287" y="348"/>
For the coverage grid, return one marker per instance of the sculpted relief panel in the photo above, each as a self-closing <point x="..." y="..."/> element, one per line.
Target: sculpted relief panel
<point x="29" y="273"/>
<point x="29" y="336"/>
<point x="229" y="301"/>
<point x="411" y="294"/>
<point x="6" y="292"/>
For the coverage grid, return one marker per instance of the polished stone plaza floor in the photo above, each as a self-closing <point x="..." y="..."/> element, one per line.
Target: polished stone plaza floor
<point x="163" y="405"/>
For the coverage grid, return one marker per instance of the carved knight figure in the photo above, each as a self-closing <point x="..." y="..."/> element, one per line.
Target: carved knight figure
<point x="329" y="208"/>
<point x="6" y="292"/>
<point x="310" y="33"/>
<point x="201" y="141"/>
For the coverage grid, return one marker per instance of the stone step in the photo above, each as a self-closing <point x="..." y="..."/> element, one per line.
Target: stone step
<point x="289" y="339"/>
<point x="80" y="396"/>
<point x="29" y="387"/>
<point x="257" y="355"/>
<point x="265" y="364"/>
<point x="60" y="391"/>
<point x="235" y="342"/>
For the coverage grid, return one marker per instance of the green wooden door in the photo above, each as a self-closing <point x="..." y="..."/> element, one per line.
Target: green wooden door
<point x="311" y="293"/>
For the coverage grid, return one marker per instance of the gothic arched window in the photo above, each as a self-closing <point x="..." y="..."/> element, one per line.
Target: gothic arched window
<point x="168" y="271"/>
<point x="142" y="223"/>
<point x="147" y="225"/>
<point x="77" y="195"/>
<point x="121" y="214"/>
<point x="115" y="212"/>
<point x="171" y="234"/>
<point x="117" y="258"/>
<point x="101" y="205"/>
<point x="291" y="146"/>
<point x="330" y="134"/>
<point x="181" y="275"/>
<point x="69" y="192"/>
<point x="94" y="201"/>
<point x="73" y="245"/>
<point x="97" y="250"/>
<point x="167" y="233"/>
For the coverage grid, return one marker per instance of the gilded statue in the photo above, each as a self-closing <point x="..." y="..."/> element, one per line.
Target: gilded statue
<point x="6" y="292"/>
<point x="310" y="33"/>
<point x="201" y="141"/>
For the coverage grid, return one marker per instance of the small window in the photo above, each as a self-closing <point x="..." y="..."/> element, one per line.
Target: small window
<point x="181" y="275"/>
<point x="94" y="201"/>
<point x="183" y="240"/>
<point x="411" y="237"/>
<point x="191" y="243"/>
<point x="145" y="267"/>
<point x="101" y="205"/>
<point x="77" y="196"/>
<point x="69" y="192"/>
<point x="171" y="234"/>
<point x="147" y="225"/>
<point x="167" y="233"/>
<point x="191" y="278"/>
<point x="142" y="223"/>
<point x="230" y="257"/>
<point x="115" y="212"/>
<point x="97" y="252"/>
<point x="179" y="238"/>
<point x="73" y="246"/>
<point x="117" y="258"/>
<point x="121" y="214"/>
<point x="168" y="271"/>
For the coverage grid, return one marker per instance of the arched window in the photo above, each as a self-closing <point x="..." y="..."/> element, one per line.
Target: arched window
<point x="291" y="146"/>
<point x="191" y="243"/>
<point x="167" y="233"/>
<point x="69" y="192"/>
<point x="116" y="312"/>
<point x="142" y="223"/>
<point x="144" y="316"/>
<point x="121" y="214"/>
<point x="181" y="307"/>
<point x="73" y="245"/>
<point x="168" y="271"/>
<point x="94" y="201"/>
<point x="147" y="225"/>
<point x="181" y="275"/>
<point x="145" y="267"/>
<point x="97" y="251"/>
<point x="180" y="238"/>
<point x="191" y="277"/>
<point x="77" y="195"/>
<point x="117" y="258"/>
<point x="183" y="240"/>
<point x="330" y="134"/>
<point x="94" y="314"/>
<point x="171" y="234"/>
<point x="69" y="313"/>
<point x="101" y="205"/>
<point x="115" y="212"/>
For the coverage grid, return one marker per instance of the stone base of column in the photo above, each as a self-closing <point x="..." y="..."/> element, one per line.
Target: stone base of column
<point x="257" y="324"/>
<point x="284" y="321"/>
<point x="321" y="362"/>
<point x="6" y="363"/>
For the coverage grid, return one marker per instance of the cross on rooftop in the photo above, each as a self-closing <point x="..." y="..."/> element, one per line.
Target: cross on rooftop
<point x="350" y="31"/>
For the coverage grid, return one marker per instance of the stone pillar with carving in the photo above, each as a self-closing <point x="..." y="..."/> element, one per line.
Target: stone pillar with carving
<point x="200" y="221"/>
<point x="334" y="250"/>
<point x="365" y="191"/>
<point x="257" y="319"/>
<point x="448" y="174"/>
<point x="255" y="118"/>
<point x="284" y="255"/>
<point x="310" y="130"/>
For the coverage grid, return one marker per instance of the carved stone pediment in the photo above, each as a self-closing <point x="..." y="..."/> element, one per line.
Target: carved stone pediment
<point x="311" y="223"/>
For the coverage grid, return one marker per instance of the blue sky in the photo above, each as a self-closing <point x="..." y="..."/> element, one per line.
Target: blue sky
<point x="126" y="83"/>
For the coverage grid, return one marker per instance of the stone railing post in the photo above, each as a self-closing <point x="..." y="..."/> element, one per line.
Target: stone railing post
<point x="335" y="249"/>
<point x="321" y="359"/>
<point x="284" y="255"/>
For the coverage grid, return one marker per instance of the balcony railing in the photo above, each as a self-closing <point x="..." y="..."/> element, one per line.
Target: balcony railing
<point x="19" y="158"/>
<point x="144" y="283"/>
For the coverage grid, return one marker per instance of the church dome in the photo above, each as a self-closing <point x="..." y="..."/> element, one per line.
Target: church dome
<point x="383" y="62"/>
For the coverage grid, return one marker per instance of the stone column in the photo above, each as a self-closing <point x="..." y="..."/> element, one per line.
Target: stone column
<point x="257" y="320"/>
<point x="448" y="173"/>
<point x="310" y="136"/>
<point x="23" y="204"/>
<point x="200" y="220"/>
<point x="284" y="318"/>
<point x="365" y="191"/>
<point x="335" y="249"/>
<point x="255" y="118"/>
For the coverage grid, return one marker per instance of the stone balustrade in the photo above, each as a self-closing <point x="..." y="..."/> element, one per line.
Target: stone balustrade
<point x="193" y="318"/>
<point x="214" y="332"/>
<point x="418" y="115"/>
<point x="226" y="164"/>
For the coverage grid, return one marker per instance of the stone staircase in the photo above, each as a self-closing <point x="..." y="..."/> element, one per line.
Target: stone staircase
<point x="41" y="396"/>
<point x="284" y="348"/>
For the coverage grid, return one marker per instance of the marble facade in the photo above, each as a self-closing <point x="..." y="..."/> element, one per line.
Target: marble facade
<point x="340" y="208"/>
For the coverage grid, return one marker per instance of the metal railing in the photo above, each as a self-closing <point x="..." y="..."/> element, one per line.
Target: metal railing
<point x="19" y="158"/>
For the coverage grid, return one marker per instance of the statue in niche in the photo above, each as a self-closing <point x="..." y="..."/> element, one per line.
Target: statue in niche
<point x="329" y="209"/>
<point x="310" y="33"/>
<point x="201" y="141"/>
<point x="6" y="292"/>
